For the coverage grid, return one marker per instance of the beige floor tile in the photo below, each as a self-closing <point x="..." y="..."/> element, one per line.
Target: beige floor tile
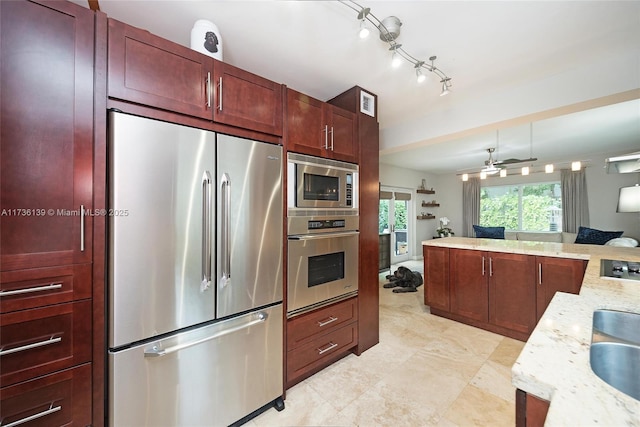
<point x="303" y="407"/>
<point x="495" y="378"/>
<point x="507" y="352"/>
<point x="381" y="407"/>
<point x="476" y="407"/>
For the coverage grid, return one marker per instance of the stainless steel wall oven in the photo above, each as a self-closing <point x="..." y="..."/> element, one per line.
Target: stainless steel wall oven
<point x="322" y="228"/>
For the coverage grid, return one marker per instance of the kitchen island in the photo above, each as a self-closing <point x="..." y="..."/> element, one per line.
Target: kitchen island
<point x="554" y="364"/>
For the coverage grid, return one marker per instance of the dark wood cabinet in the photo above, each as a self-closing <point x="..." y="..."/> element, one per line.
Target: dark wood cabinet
<point x="149" y="70"/>
<point x="531" y="411"/>
<point x="59" y="399"/>
<point x="469" y="285"/>
<point x="436" y="277"/>
<point x="245" y="100"/>
<point x="502" y="292"/>
<point x="320" y="129"/>
<point x="556" y="275"/>
<point x="319" y="338"/>
<point x="367" y="148"/>
<point x="512" y="291"/>
<point x="46" y="130"/>
<point x="48" y="204"/>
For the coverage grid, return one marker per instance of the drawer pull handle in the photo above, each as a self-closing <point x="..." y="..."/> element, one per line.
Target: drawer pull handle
<point x="326" y="322"/>
<point x="29" y="290"/>
<point x="331" y="346"/>
<point x="51" y="410"/>
<point x="51" y="340"/>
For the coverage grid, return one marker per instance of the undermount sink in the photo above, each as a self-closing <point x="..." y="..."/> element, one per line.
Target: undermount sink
<point x="615" y="350"/>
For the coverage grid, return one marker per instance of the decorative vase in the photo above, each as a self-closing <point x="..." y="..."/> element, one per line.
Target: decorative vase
<point x="205" y="38"/>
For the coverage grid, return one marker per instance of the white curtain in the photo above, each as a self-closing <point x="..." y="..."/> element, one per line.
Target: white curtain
<point x="470" y="206"/>
<point x="575" y="204"/>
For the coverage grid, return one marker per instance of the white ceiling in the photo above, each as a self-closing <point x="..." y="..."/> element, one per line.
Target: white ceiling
<point x="511" y="64"/>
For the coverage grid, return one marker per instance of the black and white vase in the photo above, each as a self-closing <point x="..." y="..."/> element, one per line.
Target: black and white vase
<point x="205" y="38"/>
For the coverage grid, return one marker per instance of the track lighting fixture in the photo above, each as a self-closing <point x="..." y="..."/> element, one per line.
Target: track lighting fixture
<point x="364" y="30"/>
<point x="419" y="75"/>
<point x="396" y="60"/>
<point x="389" y="30"/>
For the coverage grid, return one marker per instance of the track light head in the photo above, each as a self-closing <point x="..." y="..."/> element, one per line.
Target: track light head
<point x="419" y="74"/>
<point x="396" y="59"/>
<point x="364" y="30"/>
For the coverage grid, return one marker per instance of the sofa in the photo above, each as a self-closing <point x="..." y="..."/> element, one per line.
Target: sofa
<point x="541" y="236"/>
<point x="562" y="237"/>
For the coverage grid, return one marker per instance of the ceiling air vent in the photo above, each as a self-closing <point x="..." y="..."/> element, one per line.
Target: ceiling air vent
<point x="628" y="163"/>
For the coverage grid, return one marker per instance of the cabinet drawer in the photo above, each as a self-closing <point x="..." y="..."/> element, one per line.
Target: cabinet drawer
<point x="317" y="352"/>
<point x="37" y="287"/>
<point x="39" y="341"/>
<point x="303" y="328"/>
<point x="63" y="398"/>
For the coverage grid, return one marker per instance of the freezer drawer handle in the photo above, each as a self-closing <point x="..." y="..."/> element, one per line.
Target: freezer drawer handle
<point x="331" y="346"/>
<point x="157" y="350"/>
<point x="51" y="410"/>
<point x="29" y="290"/>
<point x="51" y="340"/>
<point x="331" y="319"/>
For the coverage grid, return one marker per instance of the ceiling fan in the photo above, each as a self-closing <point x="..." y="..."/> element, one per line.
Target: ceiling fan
<point x="496" y="165"/>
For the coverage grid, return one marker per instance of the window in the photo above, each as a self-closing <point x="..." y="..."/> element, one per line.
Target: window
<point x="525" y="207"/>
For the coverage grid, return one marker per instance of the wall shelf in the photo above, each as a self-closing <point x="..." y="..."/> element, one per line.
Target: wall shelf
<point x="425" y="204"/>
<point x="426" y="217"/>
<point x="421" y="191"/>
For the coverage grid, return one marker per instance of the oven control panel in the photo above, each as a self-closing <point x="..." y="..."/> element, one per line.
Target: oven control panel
<point x="326" y="224"/>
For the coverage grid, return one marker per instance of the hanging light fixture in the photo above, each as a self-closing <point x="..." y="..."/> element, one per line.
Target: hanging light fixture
<point x="389" y="30"/>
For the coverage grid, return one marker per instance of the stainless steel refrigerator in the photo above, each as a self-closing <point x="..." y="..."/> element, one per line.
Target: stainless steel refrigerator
<point x="195" y="275"/>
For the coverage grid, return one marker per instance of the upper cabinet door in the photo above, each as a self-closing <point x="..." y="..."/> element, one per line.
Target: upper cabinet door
<point x="343" y="134"/>
<point x="245" y="100"/>
<point x="320" y="129"/>
<point x="46" y="153"/>
<point x="147" y="69"/>
<point x="306" y="131"/>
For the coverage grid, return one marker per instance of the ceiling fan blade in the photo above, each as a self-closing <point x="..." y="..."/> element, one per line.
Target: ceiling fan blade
<point x="513" y="161"/>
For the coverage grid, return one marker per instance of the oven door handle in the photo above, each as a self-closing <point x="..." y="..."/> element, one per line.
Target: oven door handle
<point x="323" y="236"/>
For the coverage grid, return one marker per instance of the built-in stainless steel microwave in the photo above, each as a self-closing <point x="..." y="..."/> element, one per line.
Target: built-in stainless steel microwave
<point x="317" y="183"/>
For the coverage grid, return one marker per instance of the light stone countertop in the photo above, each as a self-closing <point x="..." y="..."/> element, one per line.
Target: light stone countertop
<point x="554" y="364"/>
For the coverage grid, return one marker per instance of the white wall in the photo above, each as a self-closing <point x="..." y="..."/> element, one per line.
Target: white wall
<point x="411" y="179"/>
<point x="602" y="190"/>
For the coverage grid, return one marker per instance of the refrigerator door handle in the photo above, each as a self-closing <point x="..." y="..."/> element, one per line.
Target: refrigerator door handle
<point x="156" y="350"/>
<point x="206" y="231"/>
<point x="225" y="256"/>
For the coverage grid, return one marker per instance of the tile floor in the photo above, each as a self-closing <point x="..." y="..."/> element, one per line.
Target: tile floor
<point x="426" y="371"/>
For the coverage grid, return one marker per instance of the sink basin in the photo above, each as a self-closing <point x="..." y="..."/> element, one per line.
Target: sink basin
<point x="610" y="325"/>
<point x="615" y="350"/>
<point x="618" y="365"/>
